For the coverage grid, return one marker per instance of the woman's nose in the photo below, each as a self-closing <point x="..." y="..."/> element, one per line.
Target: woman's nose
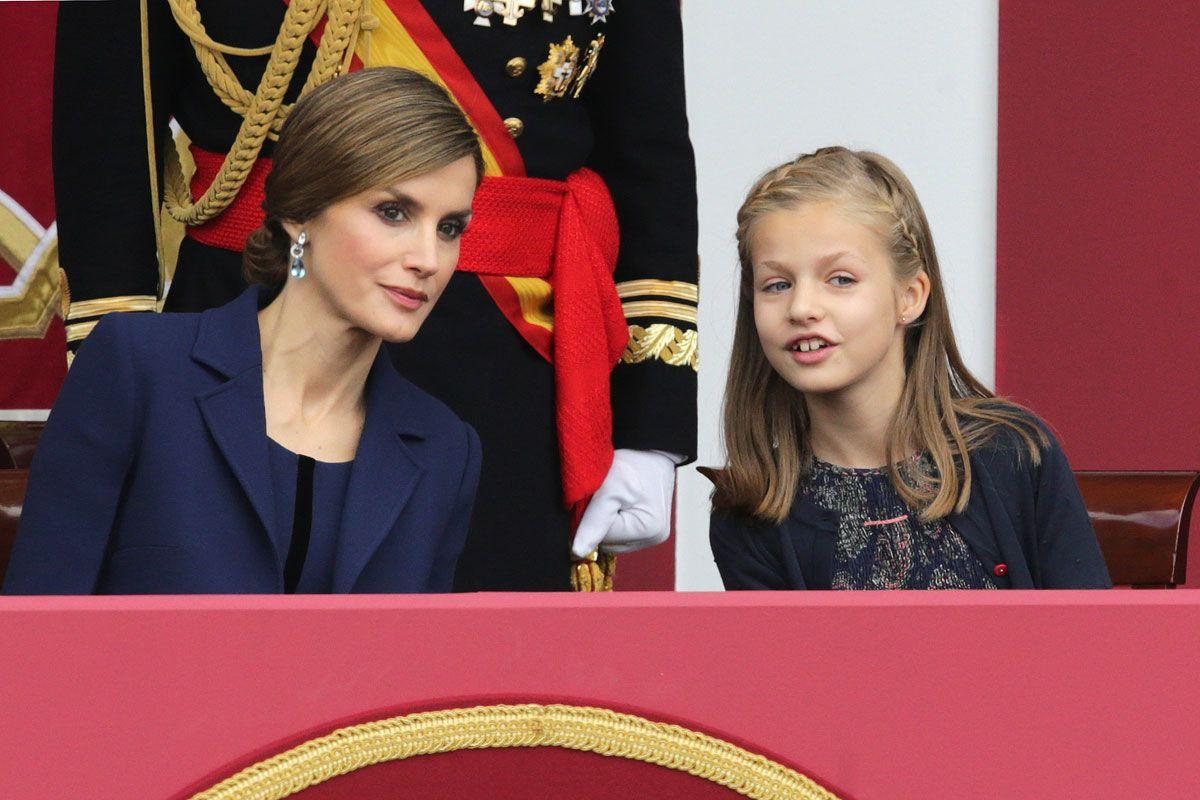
<point x="421" y="252"/>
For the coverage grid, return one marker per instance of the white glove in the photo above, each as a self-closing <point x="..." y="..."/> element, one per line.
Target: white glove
<point x="632" y="508"/>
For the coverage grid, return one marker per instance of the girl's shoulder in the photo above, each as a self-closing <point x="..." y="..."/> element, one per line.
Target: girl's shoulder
<point x="1010" y="440"/>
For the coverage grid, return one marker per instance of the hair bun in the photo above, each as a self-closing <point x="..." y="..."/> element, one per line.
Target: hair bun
<point x="264" y="259"/>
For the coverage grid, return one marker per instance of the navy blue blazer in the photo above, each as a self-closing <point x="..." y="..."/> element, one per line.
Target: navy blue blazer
<point x="153" y="474"/>
<point x="1026" y="523"/>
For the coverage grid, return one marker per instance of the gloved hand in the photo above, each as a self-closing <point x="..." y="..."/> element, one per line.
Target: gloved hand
<point x="632" y="508"/>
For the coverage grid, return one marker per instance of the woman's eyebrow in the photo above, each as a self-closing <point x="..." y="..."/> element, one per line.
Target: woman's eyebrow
<point x="416" y="207"/>
<point x="405" y="200"/>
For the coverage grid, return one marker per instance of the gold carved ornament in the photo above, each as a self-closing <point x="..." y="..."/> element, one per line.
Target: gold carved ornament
<point x="37" y="292"/>
<point x="582" y="728"/>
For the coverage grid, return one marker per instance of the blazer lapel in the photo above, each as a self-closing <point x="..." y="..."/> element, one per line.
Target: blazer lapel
<point x="228" y="341"/>
<point x="236" y="419"/>
<point x="383" y="477"/>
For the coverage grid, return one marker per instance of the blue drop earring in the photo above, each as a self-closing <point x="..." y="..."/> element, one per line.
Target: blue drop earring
<point x="297" y="252"/>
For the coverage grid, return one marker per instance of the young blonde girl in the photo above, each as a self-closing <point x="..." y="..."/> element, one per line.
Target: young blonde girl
<point x="862" y="452"/>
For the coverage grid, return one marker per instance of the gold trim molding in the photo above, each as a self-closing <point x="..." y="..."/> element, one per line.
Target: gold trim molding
<point x="34" y="297"/>
<point x="593" y="730"/>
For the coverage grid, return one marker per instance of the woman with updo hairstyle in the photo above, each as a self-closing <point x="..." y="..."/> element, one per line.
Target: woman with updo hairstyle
<point x="269" y="445"/>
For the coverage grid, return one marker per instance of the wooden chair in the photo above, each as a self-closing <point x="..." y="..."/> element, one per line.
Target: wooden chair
<point x="12" y="498"/>
<point x="1141" y="520"/>
<point x="17" y="443"/>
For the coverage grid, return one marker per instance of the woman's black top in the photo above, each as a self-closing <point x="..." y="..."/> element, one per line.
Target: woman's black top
<point x="309" y="498"/>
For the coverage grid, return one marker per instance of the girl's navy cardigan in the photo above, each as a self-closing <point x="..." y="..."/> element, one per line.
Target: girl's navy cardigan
<point x="1026" y="522"/>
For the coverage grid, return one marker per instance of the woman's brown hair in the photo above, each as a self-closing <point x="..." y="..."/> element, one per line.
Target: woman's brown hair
<point x="356" y="132"/>
<point x="943" y="411"/>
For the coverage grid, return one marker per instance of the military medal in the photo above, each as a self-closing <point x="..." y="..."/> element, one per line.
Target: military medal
<point x="598" y="10"/>
<point x="515" y="9"/>
<point x="549" y="7"/>
<point x="558" y="70"/>
<point x="589" y="64"/>
<point x="509" y="10"/>
<point x="483" y="10"/>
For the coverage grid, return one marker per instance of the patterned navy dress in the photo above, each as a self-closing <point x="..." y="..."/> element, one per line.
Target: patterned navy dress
<point x="882" y="543"/>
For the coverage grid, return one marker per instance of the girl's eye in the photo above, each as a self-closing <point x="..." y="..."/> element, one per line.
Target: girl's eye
<point x="773" y="287"/>
<point x="842" y="280"/>
<point x="392" y="212"/>
<point x="452" y="229"/>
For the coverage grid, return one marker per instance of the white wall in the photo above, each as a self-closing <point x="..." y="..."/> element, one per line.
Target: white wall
<point x="767" y="79"/>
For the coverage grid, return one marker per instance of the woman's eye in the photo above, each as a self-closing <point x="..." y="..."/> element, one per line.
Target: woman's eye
<point x="391" y="212"/>
<point x="775" y="286"/>
<point x="842" y="280"/>
<point x="451" y="229"/>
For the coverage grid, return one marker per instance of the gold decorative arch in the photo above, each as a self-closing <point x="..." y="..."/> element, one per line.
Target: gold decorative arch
<point x="593" y="730"/>
<point x="31" y="301"/>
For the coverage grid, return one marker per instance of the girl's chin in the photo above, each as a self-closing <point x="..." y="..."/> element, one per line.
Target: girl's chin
<point x="818" y="384"/>
<point x="820" y="390"/>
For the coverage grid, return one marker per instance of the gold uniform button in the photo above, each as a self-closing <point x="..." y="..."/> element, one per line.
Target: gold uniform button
<point x="515" y="67"/>
<point x="515" y="126"/>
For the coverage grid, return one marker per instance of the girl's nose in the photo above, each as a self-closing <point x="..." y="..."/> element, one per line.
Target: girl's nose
<point x="805" y="304"/>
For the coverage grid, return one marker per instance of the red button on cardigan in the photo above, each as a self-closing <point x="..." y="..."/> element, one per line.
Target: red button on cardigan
<point x="1001" y="570"/>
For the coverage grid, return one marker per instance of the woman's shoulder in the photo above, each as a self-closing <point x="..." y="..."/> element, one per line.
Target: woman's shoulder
<point x="146" y="329"/>
<point x="146" y="337"/>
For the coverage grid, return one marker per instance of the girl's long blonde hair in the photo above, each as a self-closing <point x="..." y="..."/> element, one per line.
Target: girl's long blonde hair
<point x="943" y="411"/>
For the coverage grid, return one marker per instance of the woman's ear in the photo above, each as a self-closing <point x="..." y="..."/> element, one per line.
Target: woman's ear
<point x="914" y="296"/>
<point x="293" y="229"/>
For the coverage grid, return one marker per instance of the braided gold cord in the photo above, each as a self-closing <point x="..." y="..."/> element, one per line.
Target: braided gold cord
<point x="593" y="730"/>
<point x="188" y="19"/>
<point x="594" y="573"/>
<point x="264" y="111"/>
<point x="337" y="43"/>
<point x="209" y="54"/>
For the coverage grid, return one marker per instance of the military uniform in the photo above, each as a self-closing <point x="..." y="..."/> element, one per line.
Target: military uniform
<point x="575" y="88"/>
